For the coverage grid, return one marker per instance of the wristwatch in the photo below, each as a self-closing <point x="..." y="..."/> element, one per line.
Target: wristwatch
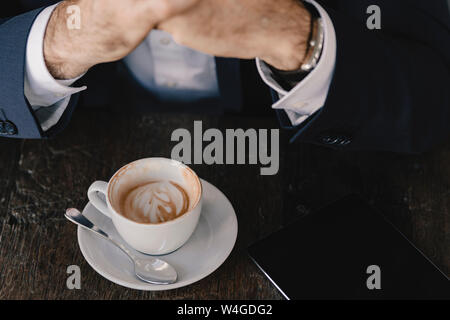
<point x="315" y="46"/>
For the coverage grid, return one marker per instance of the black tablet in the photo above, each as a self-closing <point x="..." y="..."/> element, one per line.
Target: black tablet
<point x="347" y="251"/>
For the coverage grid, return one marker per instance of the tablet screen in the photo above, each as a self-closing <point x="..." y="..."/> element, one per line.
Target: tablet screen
<point x="347" y="251"/>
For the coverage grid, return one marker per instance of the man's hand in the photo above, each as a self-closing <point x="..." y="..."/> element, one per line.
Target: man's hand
<point x="276" y="31"/>
<point x="110" y="30"/>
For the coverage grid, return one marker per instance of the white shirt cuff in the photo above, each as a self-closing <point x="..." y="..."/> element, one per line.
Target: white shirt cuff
<point x="311" y="93"/>
<point x="41" y="89"/>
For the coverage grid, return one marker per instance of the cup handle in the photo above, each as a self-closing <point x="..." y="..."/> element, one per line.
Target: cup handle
<point x="97" y="202"/>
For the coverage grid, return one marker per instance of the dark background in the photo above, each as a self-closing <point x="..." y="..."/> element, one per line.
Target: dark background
<point x="40" y="179"/>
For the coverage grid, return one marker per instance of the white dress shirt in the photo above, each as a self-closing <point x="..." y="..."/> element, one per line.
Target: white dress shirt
<point x="173" y="72"/>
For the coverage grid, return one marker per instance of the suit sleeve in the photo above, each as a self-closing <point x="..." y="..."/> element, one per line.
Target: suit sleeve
<point x="390" y="87"/>
<point x="17" y="119"/>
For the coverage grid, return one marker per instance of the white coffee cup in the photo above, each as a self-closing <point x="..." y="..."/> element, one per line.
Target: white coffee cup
<point x="153" y="239"/>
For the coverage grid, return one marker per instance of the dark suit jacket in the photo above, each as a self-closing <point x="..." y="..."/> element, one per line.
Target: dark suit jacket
<point x="389" y="89"/>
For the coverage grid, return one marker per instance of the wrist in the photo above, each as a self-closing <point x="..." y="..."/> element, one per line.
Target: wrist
<point x="291" y="42"/>
<point x="64" y="54"/>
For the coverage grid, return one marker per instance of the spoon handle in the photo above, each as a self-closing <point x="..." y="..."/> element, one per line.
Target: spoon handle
<point x="75" y="216"/>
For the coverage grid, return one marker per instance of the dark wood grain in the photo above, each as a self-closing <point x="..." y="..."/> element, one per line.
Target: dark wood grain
<point x="9" y="155"/>
<point x="40" y="179"/>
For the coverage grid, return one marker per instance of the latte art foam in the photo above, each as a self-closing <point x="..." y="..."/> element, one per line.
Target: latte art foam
<point x="155" y="202"/>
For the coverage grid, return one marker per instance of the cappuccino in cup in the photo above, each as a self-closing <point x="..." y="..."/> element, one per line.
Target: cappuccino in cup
<point x="154" y="203"/>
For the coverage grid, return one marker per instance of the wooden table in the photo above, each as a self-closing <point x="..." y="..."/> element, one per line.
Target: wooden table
<point x="40" y="179"/>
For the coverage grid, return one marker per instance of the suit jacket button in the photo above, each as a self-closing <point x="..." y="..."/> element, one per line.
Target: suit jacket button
<point x="330" y="140"/>
<point x="344" y="141"/>
<point x="10" y="128"/>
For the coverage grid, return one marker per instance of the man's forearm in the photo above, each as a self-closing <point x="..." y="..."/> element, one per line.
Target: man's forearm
<point x="108" y="32"/>
<point x="276" y="31"/>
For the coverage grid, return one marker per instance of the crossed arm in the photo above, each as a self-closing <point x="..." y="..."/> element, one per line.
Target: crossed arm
<point x="388" y="89"/>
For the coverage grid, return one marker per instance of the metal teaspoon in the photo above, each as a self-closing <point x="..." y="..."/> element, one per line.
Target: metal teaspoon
<point x="150" y="270"/>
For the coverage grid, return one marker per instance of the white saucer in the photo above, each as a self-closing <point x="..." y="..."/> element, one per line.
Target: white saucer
<point x="204" y="252"/>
